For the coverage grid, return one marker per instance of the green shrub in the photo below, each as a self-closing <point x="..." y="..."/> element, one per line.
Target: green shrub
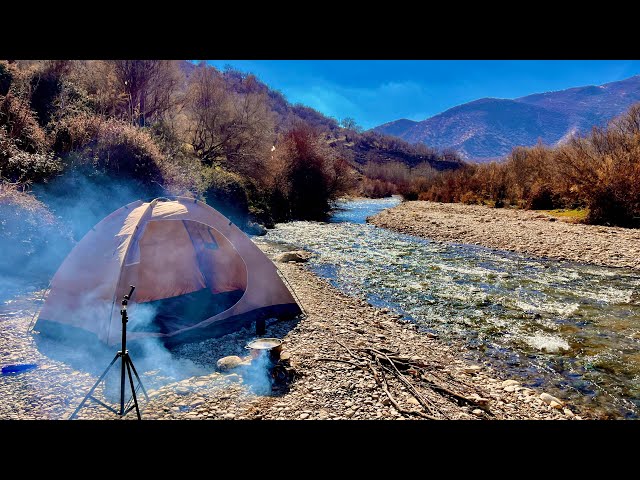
<point x="226" y="192"/>
<point x="23" y="167"/>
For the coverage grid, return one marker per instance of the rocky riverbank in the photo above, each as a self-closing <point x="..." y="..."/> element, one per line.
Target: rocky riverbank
<point x="524" y="231"/>
<point x="328" y="384"/>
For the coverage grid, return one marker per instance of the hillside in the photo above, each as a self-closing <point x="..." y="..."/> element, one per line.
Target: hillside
<point x="489" y="128"/>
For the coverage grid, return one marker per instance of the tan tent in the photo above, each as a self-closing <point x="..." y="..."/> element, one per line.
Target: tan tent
<point x="196" y="275"/>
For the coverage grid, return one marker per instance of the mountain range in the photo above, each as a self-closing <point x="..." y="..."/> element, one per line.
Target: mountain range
<point x="488" y="128"/>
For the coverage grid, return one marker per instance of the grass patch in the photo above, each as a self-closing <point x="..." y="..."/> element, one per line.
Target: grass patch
<point x="575" y="215"/>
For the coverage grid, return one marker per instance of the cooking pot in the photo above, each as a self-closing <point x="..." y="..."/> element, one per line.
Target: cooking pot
<point x="270" y="346"/>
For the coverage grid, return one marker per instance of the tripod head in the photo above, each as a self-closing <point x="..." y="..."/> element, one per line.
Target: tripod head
<point x="123" y="310"/>
<point x="127" y="297"/>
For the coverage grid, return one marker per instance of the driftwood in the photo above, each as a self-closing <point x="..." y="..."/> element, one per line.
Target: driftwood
<point x="385" y="365"/>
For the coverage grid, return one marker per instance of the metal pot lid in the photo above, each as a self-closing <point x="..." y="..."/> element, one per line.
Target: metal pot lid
<point x="264" y="343"/>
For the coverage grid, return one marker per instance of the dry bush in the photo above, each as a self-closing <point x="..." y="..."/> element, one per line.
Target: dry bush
<point x="111" y="146"/>
<point x="20" y="125"/>
<point x="304" y="176"/>
<point x="375" y="188"/>
<point x="388" y="178"/>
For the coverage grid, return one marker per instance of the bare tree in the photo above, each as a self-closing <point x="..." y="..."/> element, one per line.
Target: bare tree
<point x="225" y="126"/>
<point x="150" y="86"/>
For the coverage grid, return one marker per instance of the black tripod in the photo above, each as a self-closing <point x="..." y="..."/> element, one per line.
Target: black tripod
<point x="126" y="363"/>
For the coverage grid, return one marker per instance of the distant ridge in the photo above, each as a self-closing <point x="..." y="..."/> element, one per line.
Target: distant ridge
<point x="489" y="128"/>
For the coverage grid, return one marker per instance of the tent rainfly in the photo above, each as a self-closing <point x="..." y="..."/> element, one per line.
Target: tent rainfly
<point x="196" y="275"/>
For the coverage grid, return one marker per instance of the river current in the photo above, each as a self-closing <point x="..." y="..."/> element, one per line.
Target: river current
<point x="568" y="328"/>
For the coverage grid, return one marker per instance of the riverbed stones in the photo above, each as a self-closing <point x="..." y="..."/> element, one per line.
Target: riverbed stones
<point x="524" y="231"/>
<point x="321" y="390"/>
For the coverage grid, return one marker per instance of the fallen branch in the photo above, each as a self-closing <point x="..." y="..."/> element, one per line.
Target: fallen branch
<point x="384" y="364"/>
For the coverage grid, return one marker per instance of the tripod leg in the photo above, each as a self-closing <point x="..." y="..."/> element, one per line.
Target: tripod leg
<point x="138" y="377"/>
<point x="127" y="360"/>
<point x="122" y="375"/>
<point x="86" y="397"/>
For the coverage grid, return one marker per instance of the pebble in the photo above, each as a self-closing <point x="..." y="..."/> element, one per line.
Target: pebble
<point x="472" y="369"/>
<point x="548" y="399"/>
<point x="556" y="405"/>
<point x="509" y="383"/>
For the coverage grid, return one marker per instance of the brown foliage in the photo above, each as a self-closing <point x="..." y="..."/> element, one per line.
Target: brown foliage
<point x="600" y="171"/>
<point x="20" y="125"/>
<point x="388" y="178"/>
<point x="304" y="175"/>
<point x="111" y="146"/>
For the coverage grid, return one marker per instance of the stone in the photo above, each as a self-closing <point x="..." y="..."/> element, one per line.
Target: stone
<point x="229" y="416"/>
<point x="183" y="390"/>
<point x="477" y="412"/>
<point x="546" y="398"/>
<point x="234" y="377"/>
<point x="228" y="363"/>
<point x="556" y="405"/>
<point x="285" y="356"/>
<point x="478" y="399"/>
<point x="568" y="413"/>
<point x="510" y="388"/>
<point x="298" y="256"/>
<point x="508" y="383"/>
<point x="472" y="369"/>
<point x="304" y="416"/>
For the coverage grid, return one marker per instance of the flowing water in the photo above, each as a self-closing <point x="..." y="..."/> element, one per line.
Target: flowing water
<point x="567" y="328"/>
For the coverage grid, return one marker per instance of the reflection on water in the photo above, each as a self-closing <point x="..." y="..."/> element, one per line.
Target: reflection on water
<point x="559" y="325"/>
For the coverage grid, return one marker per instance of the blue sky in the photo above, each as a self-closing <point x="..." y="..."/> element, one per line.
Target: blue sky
<point x="378" y="91"/>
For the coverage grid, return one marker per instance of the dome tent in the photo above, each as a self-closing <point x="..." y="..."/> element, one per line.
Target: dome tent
<point x="197" y="275"/>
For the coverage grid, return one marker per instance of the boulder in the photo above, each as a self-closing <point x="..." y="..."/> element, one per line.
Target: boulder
<point x="298" y="256"/>
<point x="228" y="363"/>
<point x="253" y="228"/>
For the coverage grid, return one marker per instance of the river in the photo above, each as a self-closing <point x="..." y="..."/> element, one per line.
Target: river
<point x="566" y="328"/>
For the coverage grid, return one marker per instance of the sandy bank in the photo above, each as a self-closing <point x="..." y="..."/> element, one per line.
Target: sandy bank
<point x="528" y="232"/>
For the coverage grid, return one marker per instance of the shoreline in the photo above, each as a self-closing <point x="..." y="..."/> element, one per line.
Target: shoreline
<point x="524" y="231"/>
<point x="323" y="390"/>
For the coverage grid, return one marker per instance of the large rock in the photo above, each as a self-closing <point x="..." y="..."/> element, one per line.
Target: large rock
<point x="253" y="228"/>
<point x="228" y="363"/>
<point x="298" y="256"/>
